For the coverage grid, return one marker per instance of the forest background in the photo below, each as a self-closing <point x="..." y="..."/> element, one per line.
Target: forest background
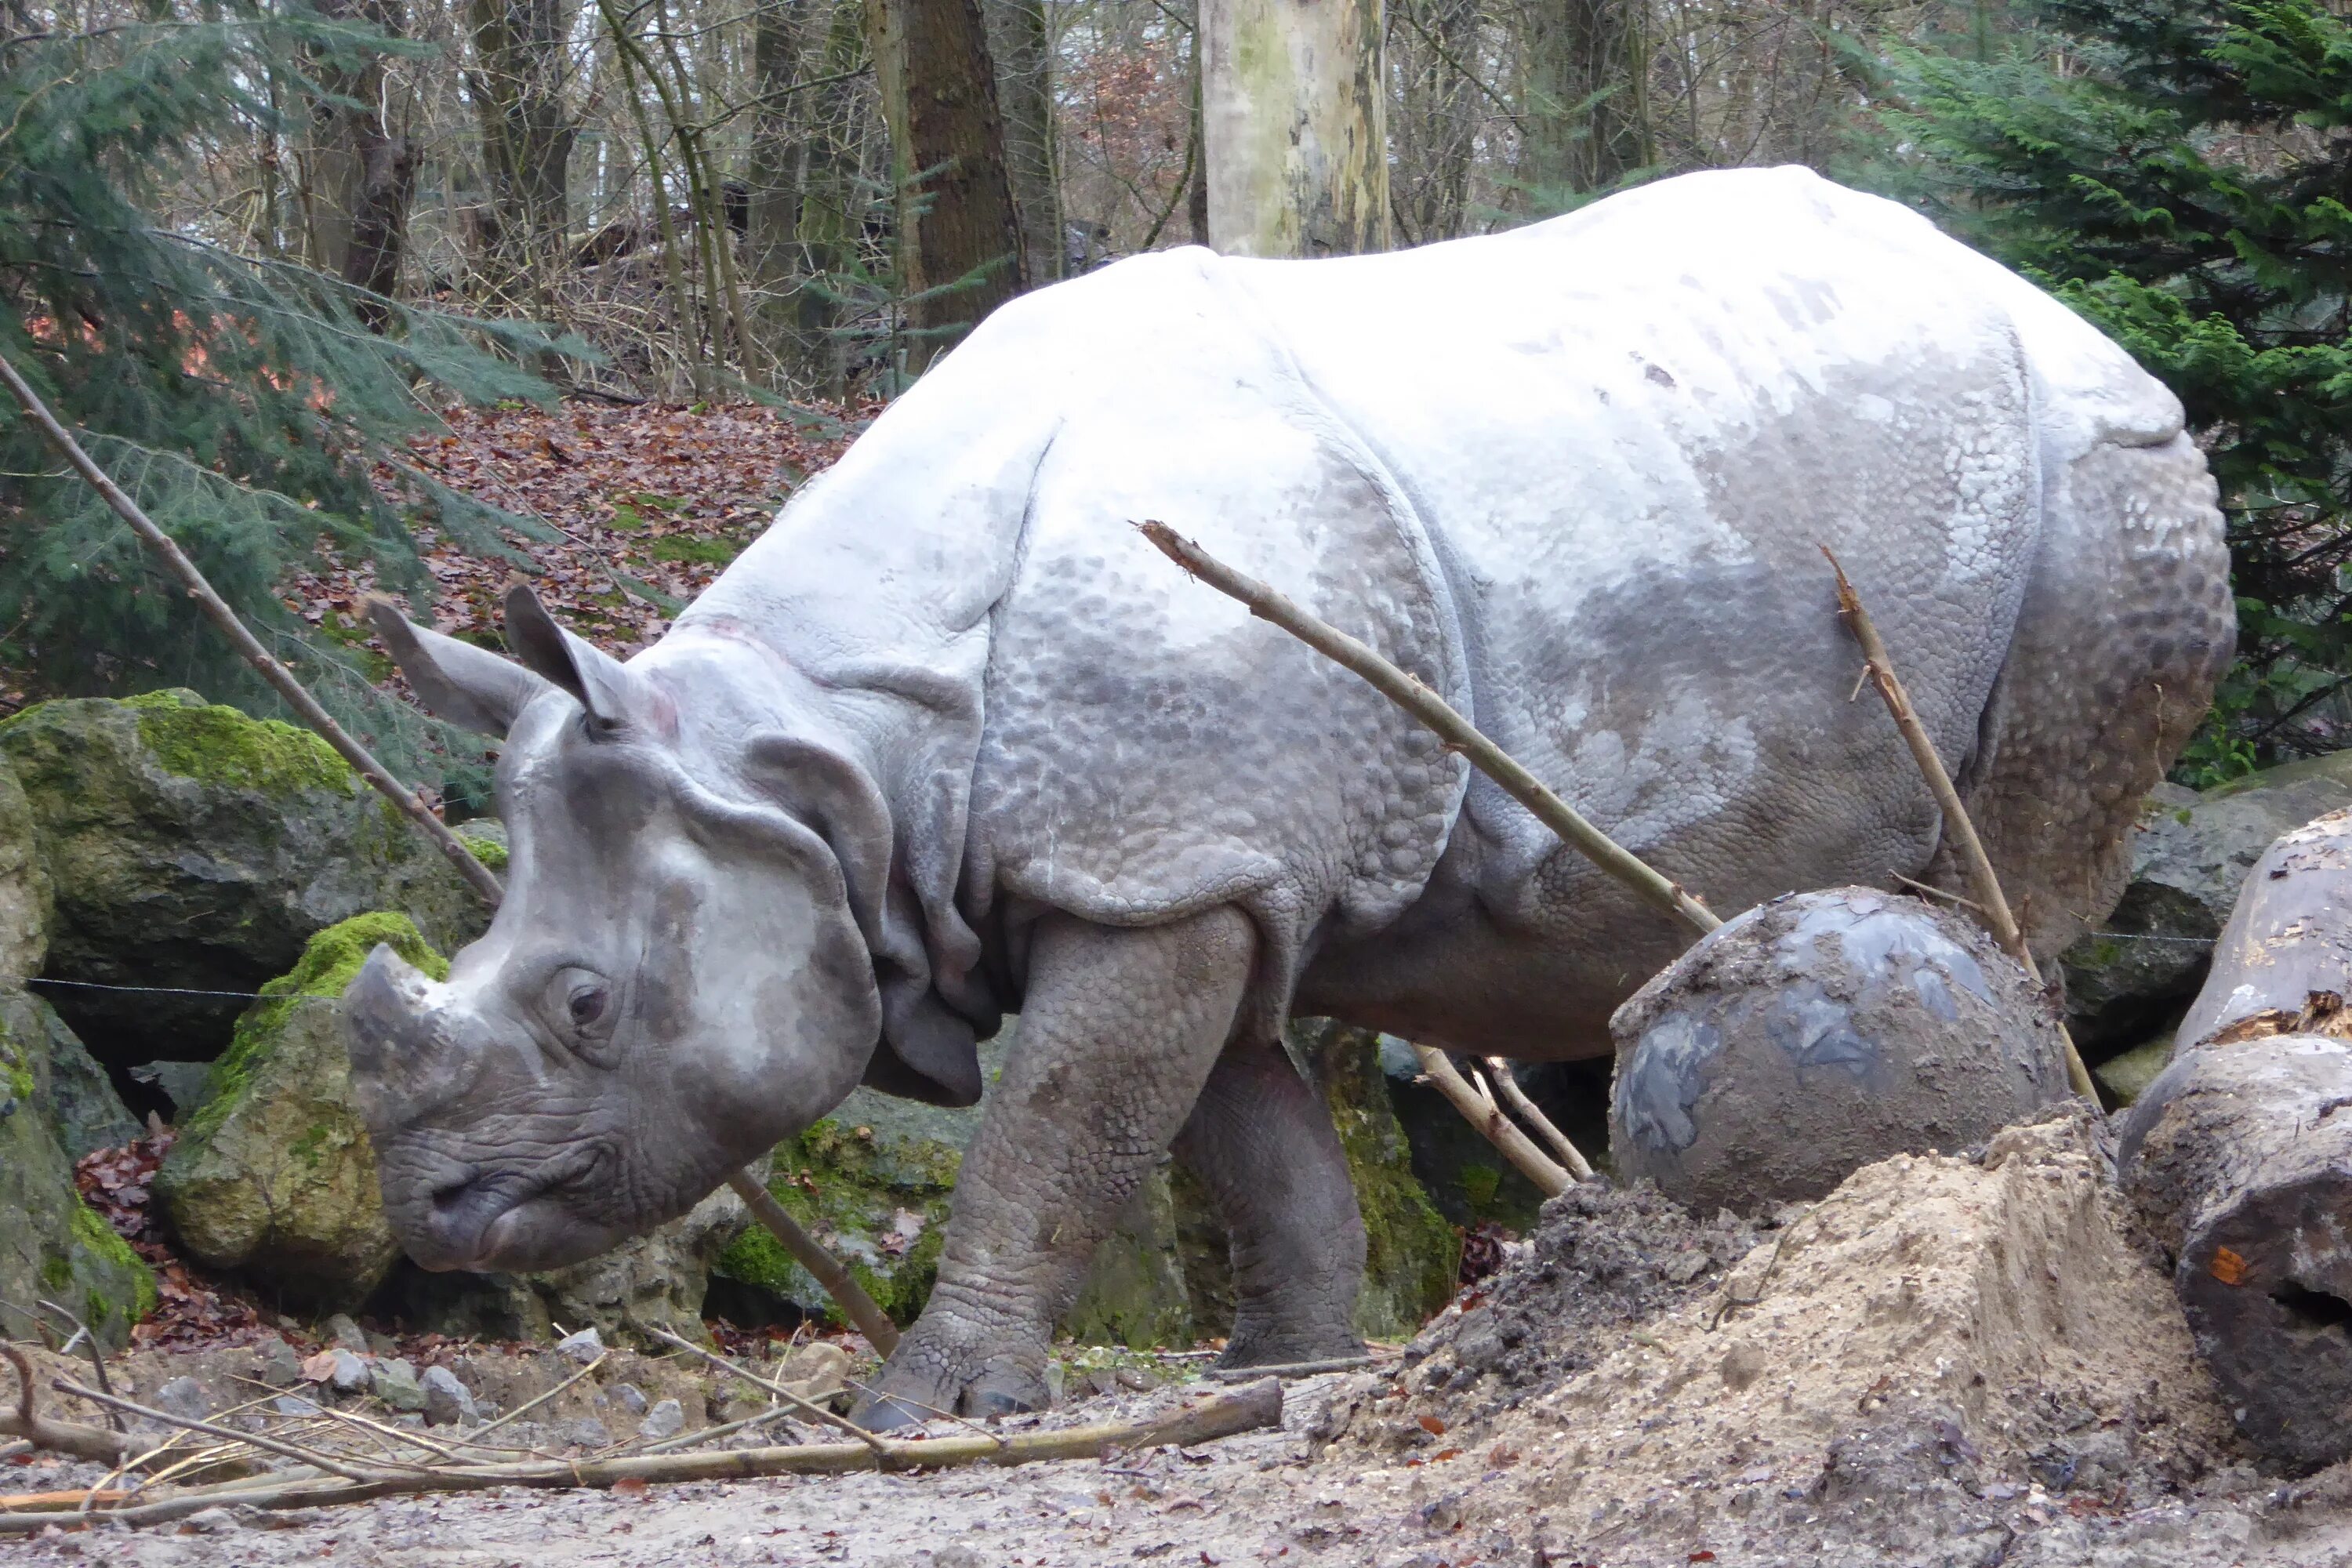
<point x="413" y="294"/>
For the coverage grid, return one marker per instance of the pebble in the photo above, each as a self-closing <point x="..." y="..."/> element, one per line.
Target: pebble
<point x="396" y="1384"/>
<point x="588" y="1433"/>
<point x="667" y="1419"/>
<point x="184" y="1397"/>
<point x="279" y="1365"/>
<point x="350" y="1374"/>
<point x="447" y="1401"/>
<point x="582" y="1347"/>
<point x="344" y="1334"/>
<point x="630" y="1398"/>
<point x="293" y="1404"/>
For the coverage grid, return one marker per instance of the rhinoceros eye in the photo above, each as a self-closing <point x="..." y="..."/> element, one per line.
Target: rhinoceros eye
<point x="586" y="1004"/>
<point x="582" y="999"/>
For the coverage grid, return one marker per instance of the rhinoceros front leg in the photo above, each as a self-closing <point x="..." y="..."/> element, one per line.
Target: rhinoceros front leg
<point x="1261" y="1141"/>
<point x="1118" y="1031"/>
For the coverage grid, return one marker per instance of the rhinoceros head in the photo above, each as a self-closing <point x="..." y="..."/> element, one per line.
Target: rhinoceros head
<point x="675" y="981"/>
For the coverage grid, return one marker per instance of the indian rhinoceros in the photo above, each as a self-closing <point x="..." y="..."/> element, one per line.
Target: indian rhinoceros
<point x="951" y="739"/>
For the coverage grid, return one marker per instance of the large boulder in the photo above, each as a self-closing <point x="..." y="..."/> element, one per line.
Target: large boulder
<point x="26" y="898"/>
<point x="191" y="847"/>
<point x="2129" y="981"/>
<point x="52" y="1247"/>
<point x="1815" y="1034"/>
<point x="273" y="1173"/>
<point x="71" y="1089"/>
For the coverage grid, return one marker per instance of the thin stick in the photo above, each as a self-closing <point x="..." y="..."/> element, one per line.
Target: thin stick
<point x="839" y="1282"/>
<point x="96" y="1356"/>
<point x="808" y="1407"/>
<point x="1993" y="906"/>
<point x="528" y="1406"/>
<point x="1407" y="693"/>
<point x="1247" y="1409"/>
<point x="813" y="1257"/>
<point x="1294" y="1369"/>
<point x="1529" y="1112"/>
<point x="83" y="1442"/>
<point x="189" y="1423"/>
<point x="1481" y="1111"/>
<point x="1930" y="890"/>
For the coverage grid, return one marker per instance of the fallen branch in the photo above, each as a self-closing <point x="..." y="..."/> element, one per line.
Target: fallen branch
<point x="1407" y="693"/>
<point x="1529" y="1112"/>
<point x="189" y="1424"/>
<point x="83" y="1442"/>
<point x="1248" y="1409"/>
<point x="802" y="1246"/>
<point x="1480" y="1110"/>
<point x="841" y="1285"/>
<point x="528" y="1406"/>
<point x="1992" y="905"/>
<point x="808" y="1407"/>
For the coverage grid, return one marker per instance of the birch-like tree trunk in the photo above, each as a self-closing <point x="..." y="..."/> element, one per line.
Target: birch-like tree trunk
<point x="1294" y="119"/>
<point x="960" y="252"/>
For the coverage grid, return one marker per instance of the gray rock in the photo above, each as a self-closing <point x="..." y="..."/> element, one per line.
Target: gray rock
<point x="294" y="1404"/>
<point x="189" y="846"/>
<point x="665" y="1420"/>
<point x="350" y="1375"/>
<point x="277" y="1363"/>
<point x="27" y="904"/>
<point x="629" y="1397"/>
<point x="448" y="1402"/>
<point x="584" y="1346"/>
<point x="183" y="1084"/>
<point x="394" y="1383"/>
<point x="2131" y="978"/>
<point x="2125" y="1078"/>
<point x="1818" y="1033"/>
<point x="185" y="1397"/>
<point x="345" y="1334"/>
<point x="588" y="1433"/>
<point x="83" y="1110"/>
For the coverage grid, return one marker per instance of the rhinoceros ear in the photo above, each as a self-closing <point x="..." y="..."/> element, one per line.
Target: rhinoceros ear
<point x="472" y="688"/>
<point x="596" y="680"/>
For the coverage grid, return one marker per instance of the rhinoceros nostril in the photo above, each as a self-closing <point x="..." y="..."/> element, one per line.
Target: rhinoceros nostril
<point x="453" y="1192"/>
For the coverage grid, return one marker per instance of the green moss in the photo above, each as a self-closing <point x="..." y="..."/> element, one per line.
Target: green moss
<point x="1480" y="1185"/>
<point x="687" y="547"/>
<point x="56" y="1272"/>
<point x="219" y="745"/>
<point x="489" y="851"/>
<point x="1412" y="1256"/>
<point x="330" y="963"/>
<point x="97" y="1236"/>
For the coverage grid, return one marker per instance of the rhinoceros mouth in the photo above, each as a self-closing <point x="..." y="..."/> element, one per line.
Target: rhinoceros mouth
<point x="487" y="1218"/>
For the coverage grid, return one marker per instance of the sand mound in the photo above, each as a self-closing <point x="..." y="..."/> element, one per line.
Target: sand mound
<point x="1898" y="1373"/>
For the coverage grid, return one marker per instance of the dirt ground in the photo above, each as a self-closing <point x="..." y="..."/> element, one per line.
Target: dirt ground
<point x="1950" y="1361"/>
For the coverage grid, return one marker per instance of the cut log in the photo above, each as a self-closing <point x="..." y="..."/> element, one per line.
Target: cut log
<point x="2240" y="1158"/>
<point x="2282" y="962"/>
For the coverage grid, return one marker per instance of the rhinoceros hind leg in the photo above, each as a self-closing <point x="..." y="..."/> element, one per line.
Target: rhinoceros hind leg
<point x="1261" y="1141"/>
<point x="1118" y="1031"/>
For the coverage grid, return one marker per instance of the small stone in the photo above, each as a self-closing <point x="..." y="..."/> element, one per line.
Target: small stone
<point x="380" y="1344"/>
<point x="210" y="1522"/>
<point x="667" y="1419"/>
<point x="588" y="1433"/>
<point x="349" y="1375"/>
<point x="344" y="1334"/>
<point x="294" y="1404"/>
<point x="396" y="1384"/>
<point x="630" y="1398"/>
<point x="582" y="1347"/>
<point x="276" y="1363"/>
<point x="448" y="1402"/>
<point x="185" y="1397"/>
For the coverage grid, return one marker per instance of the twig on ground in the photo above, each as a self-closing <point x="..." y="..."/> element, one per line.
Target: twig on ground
<point x="1245" y="1409"/>
<point x="808" y="1407"/>
<point x="860" y="1308"/>
<point x="1993" y="905"/>
<point x="83" y="1442"/>
<point x="1660" y="891"/>
<point x="96" y="1355"/>
<point x="1296" y="1368"/>
<point x="189" y="1424"/>
<point x="528" y="1406"/>
<point x="1481" y="1111"/>
<point x="1529" y="1112"/>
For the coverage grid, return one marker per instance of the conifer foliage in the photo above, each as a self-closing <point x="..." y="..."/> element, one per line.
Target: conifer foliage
<point x="243" y="400"/>
<point x="2179" y="174"/>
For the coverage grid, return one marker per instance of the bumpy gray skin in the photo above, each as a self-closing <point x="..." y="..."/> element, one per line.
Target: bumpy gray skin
<point x="1818" y="1033"/>
<point x="951" y="738"/>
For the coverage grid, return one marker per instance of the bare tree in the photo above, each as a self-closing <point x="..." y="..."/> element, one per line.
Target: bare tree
<point x="520" y="84"/>
<point x="1585" y="115"/>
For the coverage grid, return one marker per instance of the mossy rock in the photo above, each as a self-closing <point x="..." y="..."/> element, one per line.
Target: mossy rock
<point x="69" y="1087"/>
<point x="27" y="900"/>
<point x="1412" y="1256"/>
<point x="192" y="848"/>
<point x="52" y="1247"/>
<point x="273" y="1173"/>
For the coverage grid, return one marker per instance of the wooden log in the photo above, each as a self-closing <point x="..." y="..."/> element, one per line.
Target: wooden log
<point x="2239" y="1157"/>
<point x="2282" y="962"/>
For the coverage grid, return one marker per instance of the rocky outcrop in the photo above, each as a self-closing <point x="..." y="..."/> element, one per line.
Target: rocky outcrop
<point x="26" y="898"/>
<point x="272" y="1172"/>
<point x="2128" y="980"/>
<point x="52" y="1247"/>
<point x="189" y="847"/>
<point x="71" y="1089"/>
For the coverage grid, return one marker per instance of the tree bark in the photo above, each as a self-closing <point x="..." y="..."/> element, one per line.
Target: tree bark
<point x="2282" y="963"/>
<point x="518" y="84"/>
<point x="960" y="248"/>
<point x="1584" y="107"/>
<point x="363" y="170"/>
<point x="1021" y="39"/>
<point x="1295" y="126"/>
<point x="778" y="136"/>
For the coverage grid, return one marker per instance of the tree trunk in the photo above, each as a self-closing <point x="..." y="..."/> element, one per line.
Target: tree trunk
<point x="1584" y="109"/>
<point x="1295" y="126"/>
<point x="2288" y="944"/>
<point x="361" y="169"/>
<point x="778" y="137"/>
<point x="960" y="251"/>
<point x="517" y="84"/>
<point x="1021" y="39"/>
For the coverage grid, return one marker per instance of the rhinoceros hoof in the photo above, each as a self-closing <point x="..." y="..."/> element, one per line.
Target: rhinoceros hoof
<point x="1818" y="1033"/>
<point x="930" y="1376"/>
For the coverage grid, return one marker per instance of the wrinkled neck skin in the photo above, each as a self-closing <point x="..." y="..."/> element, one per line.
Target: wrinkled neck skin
<point x="683" y="865"/>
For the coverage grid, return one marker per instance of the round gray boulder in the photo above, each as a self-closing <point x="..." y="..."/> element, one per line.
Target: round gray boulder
<point x="1816" y="1034"/>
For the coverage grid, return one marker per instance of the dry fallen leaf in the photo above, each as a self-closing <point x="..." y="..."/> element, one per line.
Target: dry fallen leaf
<point x="1432" y="1425"/>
